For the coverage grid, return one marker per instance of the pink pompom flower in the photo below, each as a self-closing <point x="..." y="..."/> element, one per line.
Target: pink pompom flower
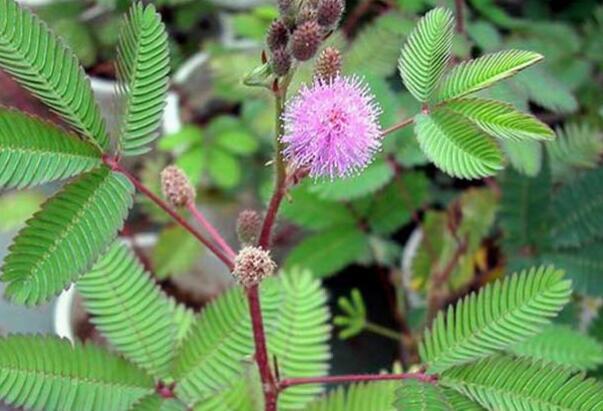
<point x="332" y="127"/>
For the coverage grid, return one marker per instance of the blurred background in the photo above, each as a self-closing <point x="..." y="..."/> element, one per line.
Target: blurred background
<point x="383" y="232"/>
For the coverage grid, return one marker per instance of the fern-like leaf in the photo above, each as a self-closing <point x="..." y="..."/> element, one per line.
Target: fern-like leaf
<point x="142" y="67"/>
<point x="564" y="346"/>
<point x="130" y="310"/>
<point x="154" y="402"/>
<point x="525" y="156"/>
<point x="501" y="120"/>
<point x="577" y="146"/>
<point x="299" y="336"/>
<point x="474" y="75"/>
<point x="499" y="316"/>
<point x="457" y="146"/>
<point x="212" y="355"/>
<point x="413" y="395"/>
<point x="507" y="383"/>
<point x="426" y="53"/>
<point x="49" y="374"/>
<point x="460" y="402"/>
<point x="374" y="396"/>
<point x="578" y="211"/>
<point x="66" y="237"/>
<point x="33" y="151"/>
<point x="40" y="62"/>
<point x="584" y="266"/>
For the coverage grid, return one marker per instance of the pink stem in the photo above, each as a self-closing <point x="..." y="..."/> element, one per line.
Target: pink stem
<point x="213" y="232"/>
<point x="356" y="378"/>
<point x="397" y="126"/>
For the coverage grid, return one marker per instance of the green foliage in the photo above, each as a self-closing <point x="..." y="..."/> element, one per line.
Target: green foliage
<point x="353" y="319"/>
<point x="414" y="395"/>
<point x="17" y="207"/>
<point x="474" y="75"/>
<point x="578" y="145"/>
<point x="501" y="120"/>
<point x="497" y="317"/>
<point x="176" y="252"/>
<point x="564" y="346"/>
<point x="327" y="252"/>
<point x="142" y="66"/>
<point x="584" y="265"/>
<point x="525" y="156"/>
<point x="578" y="211"/>
<point x="154" y="402"/>
<point x="545" y="90"/>
<point x="128" y="308"/>
<point x="426" y="53"/>
<point x="33" y="151"/>
<point x="47" y="68"/>
<point x="506" y="383"/>
<point x="457" y="146"/>
<point x="67" y="236"/>
<point x="374" y="396"/>
<point x="49" y="374"/>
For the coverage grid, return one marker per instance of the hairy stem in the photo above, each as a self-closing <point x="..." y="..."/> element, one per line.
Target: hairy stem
<point x="213" y="232"/>
<point x="114" y="164"/>
<point x="356" y="378"/>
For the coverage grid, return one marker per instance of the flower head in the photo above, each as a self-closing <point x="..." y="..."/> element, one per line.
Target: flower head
<point x="252" y="265"/>
<point x="332" y="127"/>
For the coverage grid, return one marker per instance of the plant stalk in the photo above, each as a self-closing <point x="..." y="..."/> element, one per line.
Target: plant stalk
<point x="382" y="331"/>
<point x="397" y="126"/>
<point x="284" y="384"/>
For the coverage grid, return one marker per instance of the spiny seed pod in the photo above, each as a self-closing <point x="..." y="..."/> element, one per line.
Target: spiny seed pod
<point x="175" y="186"/>
<point x="306" y="39"/>
<point x="249" y="223"/>
<point x="278" y="35"/>
<point x="329" y="12"/>
<point x="281" y="62"/>
<point x="252" y="265"/>
<point x="328" y="64"/>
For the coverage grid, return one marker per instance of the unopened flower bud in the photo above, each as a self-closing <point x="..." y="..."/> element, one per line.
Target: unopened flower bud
<point x="249" y="224"/>
<point x="328" y="64"/>
<point x="329" y="12"/>
<point x="278" y="35"/>
<point x="306" y="39"/>
<point x="252" y="265"/>
<point x="281" y="62"/>
<point x="175" y="186"/>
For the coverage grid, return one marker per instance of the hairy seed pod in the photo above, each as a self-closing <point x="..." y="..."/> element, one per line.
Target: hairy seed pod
<point x="328" y="64"/>
<point x="252" y="265"/>
<point x="281" y="62"/>
<point x="329" y="12"/>
<point x="175" y="186"/>
<point x="249" y="224"/>
<point x="278" y="35"/>
<point x="306" y="39"/>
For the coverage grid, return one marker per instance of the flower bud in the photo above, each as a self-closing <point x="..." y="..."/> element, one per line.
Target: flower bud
<point x="306" y="13"/>
<point x="306" y="39"/>
<point x="175" y="186"/>
<point x="278" y="35"/>
<point x="252" y="265"/>
<point x="249" y="224"/>
<point x="328" y="64"/>
<point x="329" y="12"/>
<point x="281" y="62"/>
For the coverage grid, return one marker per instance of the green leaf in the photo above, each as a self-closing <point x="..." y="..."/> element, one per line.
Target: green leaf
<point x="456" y="146"/>
<point x="230" y="134"/>
<point x="65" y="238"/>
<point x="329" y="251"/>
<point x="499" y="316"/>
<point x="506" y="383"/>
<point x="33" y="151"/>
<point x="213" y="354"/>
<point x="353" y="319"/>
<point x="142" y="65"/>
<point x="578" y="211"/>
<point x="130" y="310"/>
<point x="426" y="53"/>
<point x="154" y="402"/>
<point x="175" y="253"/>
<point x="583" y="264"/>
<point x="525" y="156"/>
<point x="546" y="91"/>
<point x="374" y="396"/>
<point x="368" y="181"/>
<point x="474" y="75"/>
<point x="46" y="373"/>
<point x="17" y="207"/>
<point x="501" y="120"/>
<point x="223" y="168"/>
<point x="414" y="395"/>
<point x="78" y="36"/>
<point x="460" y="402"/>
<point x="299" y="337"/>
<point x="578" y="146"/>
<point x="564" y="346"/>
<point x="40" y="62"/>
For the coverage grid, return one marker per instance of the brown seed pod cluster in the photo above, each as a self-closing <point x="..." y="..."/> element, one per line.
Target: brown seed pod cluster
<point x="175" y="186"/>
<point x="328" y="64"/>
<point x="252" y="265"/>
<point x="300" y="30"/>
<point x="249" y="224"/>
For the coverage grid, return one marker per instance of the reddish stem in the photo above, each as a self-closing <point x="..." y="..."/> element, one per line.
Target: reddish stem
<point x="213" y="232"/>
<point x="111" y="162"/>
<point x="261" y="350"/>
<point x="398" y="126"/>
<point x="270" y="219"/>
<point x="357" y="378"/>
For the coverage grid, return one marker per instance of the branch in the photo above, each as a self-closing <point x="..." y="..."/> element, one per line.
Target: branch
<point x="284" y="384"/>
<point x="213" y="232"/>
<point x="397" y="126"/>
<point x="111" y="162"/>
